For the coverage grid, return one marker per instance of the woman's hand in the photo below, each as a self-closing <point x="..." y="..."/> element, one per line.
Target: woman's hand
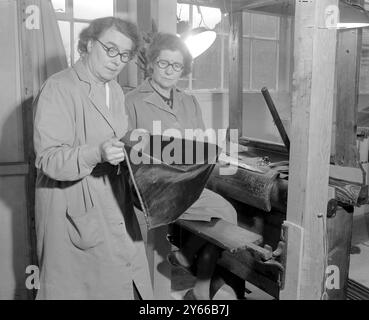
<point x="112" y="151"/>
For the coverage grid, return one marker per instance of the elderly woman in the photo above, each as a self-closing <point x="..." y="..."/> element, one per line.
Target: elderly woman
<point x="89" y="243"/>
<point x="158" y="99"/>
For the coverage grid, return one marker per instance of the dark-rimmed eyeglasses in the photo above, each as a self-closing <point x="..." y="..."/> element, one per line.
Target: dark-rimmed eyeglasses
<point x="112" y="52"/>
<point x="164" y="64"/>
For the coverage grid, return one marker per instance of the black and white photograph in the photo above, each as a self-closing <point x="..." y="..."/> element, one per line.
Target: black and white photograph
<point x="189" y="156"/>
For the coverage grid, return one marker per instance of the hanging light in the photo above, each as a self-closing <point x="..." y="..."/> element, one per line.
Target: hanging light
<point x="351" y="15"/>
<point x="199" y="40"/>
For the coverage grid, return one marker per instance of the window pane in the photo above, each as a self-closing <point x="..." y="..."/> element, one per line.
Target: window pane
<point x="59" y="6"/>
<point x="64" y="28"/>
<point x="226" y="63"/>
<point x="207" y="68"/>
<point x="91" y="9"/>
<point x="78" y="27"/>
<point x="265" y="26"/>
<point x="246" y="64"/>
<point x="246" y="23"/>
<point x="183" y="14"/>
<point x="206" y="17"/>
<point x="264" y="64"/>
<point x="223" y="26"/>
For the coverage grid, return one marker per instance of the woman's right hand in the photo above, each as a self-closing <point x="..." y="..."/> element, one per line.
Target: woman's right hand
<point x="112" y="151"/>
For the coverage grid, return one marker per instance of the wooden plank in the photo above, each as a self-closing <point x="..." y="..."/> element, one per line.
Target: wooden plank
<point x="351" y="174"/>
<point x="244" y="264"/>
<point x="227" y="236"/>
<point x="339" y="230"/>
<point x="164" y="14"/>
<point x="235" y="72"/>
<point x="246" y="268"/>
<point x="28" y="90"/>
<point x="268" y="6"/>
<point x="294" y="237"/>
<point x="263" y="144"/>
<point x="14" y="238"/>
<point x="347" y="74"/>
<point x="127" y="77"/>
<point x="11" y="138"/>
<point x="14" y="169"/>
<point x="144" y="23"/>
<point x="276" y="119"/>
<point x="315" y="55"/>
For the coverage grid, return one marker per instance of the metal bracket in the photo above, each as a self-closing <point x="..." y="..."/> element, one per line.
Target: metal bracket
<point x="279" y="256"/>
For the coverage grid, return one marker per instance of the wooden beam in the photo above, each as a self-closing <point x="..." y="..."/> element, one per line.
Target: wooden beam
<point x="315" y="56"/>
<point x="339" y="230"/>
<point x="28" y="91"/>
<point x="277" y="7"/>
<point x="164" y="13"/>
<point x="235" y="72"/>
<point x="128" y="77"/>
<point x="145" y="25"/>
<point x="348" y="68"/>
<point x="14" y="169"/>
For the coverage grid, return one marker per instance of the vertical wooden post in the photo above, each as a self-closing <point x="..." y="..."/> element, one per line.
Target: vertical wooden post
<point x="167" y="16"/>
<point x="144" y="22"/>
<point x="235" y="72"/>
<point x="27" y="86"/>
<point x="164" y="13"/>
<point x="348" y="66"/>
<point x="313" y="94"/>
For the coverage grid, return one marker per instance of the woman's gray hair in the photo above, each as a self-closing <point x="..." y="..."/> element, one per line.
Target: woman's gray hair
<point x="98" y="26"/>
<point x="167" y="41"/>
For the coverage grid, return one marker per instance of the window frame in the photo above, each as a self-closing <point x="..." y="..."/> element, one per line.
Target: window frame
<point x="224" y="49"/>
<point x="67" y="16"/>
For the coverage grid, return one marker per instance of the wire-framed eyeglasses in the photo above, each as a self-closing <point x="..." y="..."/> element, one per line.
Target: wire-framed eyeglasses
<point x="164" y="64"/>
<point x="112" y="52"/>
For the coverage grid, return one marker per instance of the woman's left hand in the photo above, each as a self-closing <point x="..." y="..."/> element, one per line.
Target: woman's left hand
<point x="112" y="151"/>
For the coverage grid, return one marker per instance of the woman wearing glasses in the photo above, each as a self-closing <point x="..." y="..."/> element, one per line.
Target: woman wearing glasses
<point x="158" y="99"/>
<point x="88" y="239"/>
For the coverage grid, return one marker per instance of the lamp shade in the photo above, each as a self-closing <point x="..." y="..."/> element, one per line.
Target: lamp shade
<point x="352" y="16"/>
<point x="198" y="40"/>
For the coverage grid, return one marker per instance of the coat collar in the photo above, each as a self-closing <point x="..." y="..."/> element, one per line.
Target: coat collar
<point x="84" y="76"/>
<point x="153" y="98"/>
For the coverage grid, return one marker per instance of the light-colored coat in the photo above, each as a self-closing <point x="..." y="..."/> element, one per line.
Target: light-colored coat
<point x="144" y="106"/>
<point x="88" y="242"/>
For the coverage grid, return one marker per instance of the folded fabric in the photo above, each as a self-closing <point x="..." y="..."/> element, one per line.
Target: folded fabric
<point x="168" y="174"/>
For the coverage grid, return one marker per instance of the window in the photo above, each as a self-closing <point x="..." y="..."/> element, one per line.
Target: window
<point x="261" y="45"/>
<point x="75" y="15"/>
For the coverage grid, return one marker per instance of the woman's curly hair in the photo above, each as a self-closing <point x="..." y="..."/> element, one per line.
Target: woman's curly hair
<point x="99" y="26"/>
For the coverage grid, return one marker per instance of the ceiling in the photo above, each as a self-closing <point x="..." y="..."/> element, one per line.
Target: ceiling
<point x="278" y="7"/>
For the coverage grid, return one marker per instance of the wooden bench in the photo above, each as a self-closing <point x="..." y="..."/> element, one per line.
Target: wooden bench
<point x="242" y="258"/>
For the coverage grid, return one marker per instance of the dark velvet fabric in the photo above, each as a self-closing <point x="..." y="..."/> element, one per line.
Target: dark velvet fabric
<point x="170" y="177"/>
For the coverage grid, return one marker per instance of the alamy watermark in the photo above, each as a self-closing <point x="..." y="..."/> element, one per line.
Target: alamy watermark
<point x="185" y="147"/>
<point x="32" y="20"/>
<point x="332" y="280"/>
